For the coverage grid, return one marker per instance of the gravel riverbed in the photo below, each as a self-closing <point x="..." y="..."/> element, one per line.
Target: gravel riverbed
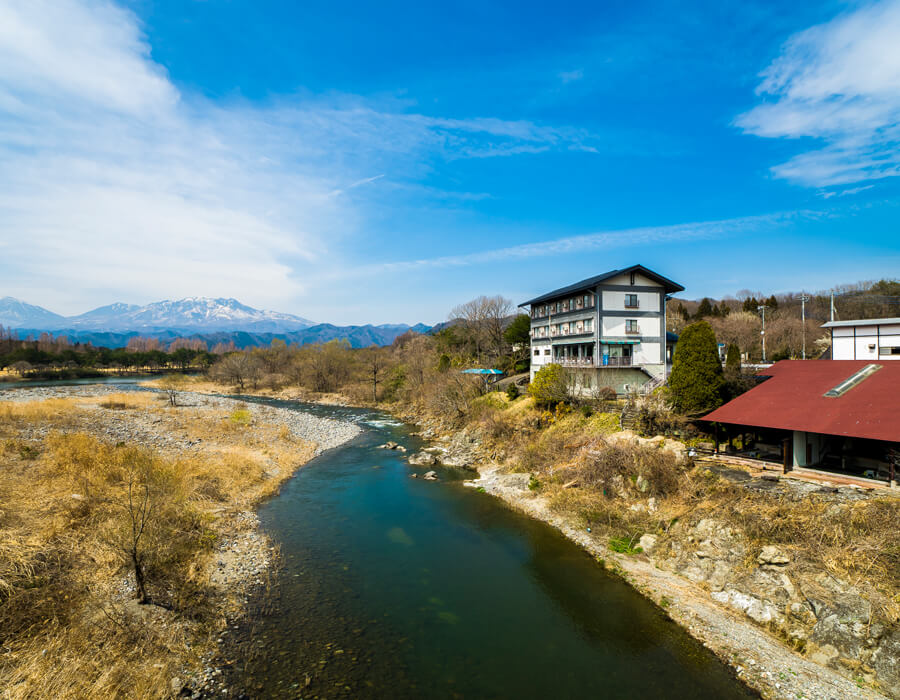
<point x="244" y="555"/>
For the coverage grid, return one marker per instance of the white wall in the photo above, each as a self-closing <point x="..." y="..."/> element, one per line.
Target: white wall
<point x="615" y="301"/>
<point x="647" y="353"/>
<point x="843" y="345"/>
<point x="639" y="280"/>
<point x="615" y="325"/>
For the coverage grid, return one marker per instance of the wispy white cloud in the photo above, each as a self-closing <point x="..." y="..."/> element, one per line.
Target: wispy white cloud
<point x="604" y="240"/>
<point x="116" y="185"/>
<point x="571" y="76"/>
<point x="839" y="83"/>
<point x="844" y="193"/>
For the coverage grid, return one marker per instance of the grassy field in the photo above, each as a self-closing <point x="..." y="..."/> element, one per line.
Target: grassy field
<point x="85" y="515"/>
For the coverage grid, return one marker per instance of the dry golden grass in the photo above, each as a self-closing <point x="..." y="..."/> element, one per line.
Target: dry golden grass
<point x="68" y="626"/>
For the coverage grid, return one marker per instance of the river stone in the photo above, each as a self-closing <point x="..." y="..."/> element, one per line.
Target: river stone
<point x="430" y="476"/>
<point x="885" y="661"/>
<point x="773" y="556"/>
<point x="648" y="542"/>
<point x="422" y="459"/>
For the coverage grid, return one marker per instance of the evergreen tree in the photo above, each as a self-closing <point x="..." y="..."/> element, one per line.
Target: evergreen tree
<point x="733" y="359"/>
<point x="705" y="308"/>
<point x="518" y="332"/>
<point x="683" y="312"/>
<point x="772" y="302"/>
<point x="750" y="304"/>
<point x="697" y="383"/>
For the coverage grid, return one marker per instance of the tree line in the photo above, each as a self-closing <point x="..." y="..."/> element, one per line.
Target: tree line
<point x="49" y="356"/>
<point x="738" y="320"/>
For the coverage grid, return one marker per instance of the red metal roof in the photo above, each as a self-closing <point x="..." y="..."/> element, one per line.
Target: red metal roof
<point x="794" y="399"/>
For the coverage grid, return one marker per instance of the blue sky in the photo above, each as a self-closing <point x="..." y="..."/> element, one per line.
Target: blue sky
<point x="363" y="162"/>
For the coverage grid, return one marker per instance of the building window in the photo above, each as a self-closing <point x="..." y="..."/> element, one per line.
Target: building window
<point x="631" y="301"/>
<point x="631" y="326"/>
<point x="588" y="324"/>
<point x="547" y="351"/>
<point x="889" y="351"/>
<point x="632" y="279"/>
<point x="537" y="352"/>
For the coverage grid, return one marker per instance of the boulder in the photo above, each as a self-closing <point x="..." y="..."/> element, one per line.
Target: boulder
<point x="422" y="459"/>
<point x="430" y="476"/>
<point x="648" y="542"/>
<point x="773" y="556"/>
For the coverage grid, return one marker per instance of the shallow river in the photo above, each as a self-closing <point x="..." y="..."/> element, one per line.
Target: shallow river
<point x="395" y="587"/>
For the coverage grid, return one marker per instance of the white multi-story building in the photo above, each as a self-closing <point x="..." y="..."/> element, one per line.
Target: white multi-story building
<point x="611" y="328"/>
<point x="870" y="339"/>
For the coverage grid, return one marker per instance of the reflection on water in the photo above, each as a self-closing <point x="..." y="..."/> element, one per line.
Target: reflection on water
<point x="400" y="588"/>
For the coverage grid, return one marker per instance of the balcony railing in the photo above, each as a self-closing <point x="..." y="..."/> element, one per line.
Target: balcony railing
<point x="635" y="305"/>
<point x="632" y="331"/>
<point x="617" y="362"/>
<point x="576" y="361"/>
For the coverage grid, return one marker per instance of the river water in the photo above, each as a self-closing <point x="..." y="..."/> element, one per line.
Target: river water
<point x="394" y="587"/>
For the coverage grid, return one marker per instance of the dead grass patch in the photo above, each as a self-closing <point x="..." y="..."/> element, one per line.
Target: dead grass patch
<point x="69" y="625"/>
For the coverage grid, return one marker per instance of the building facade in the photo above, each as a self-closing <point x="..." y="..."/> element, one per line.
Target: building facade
<point x="610" y="329"/>
<point x="873" y="339"/>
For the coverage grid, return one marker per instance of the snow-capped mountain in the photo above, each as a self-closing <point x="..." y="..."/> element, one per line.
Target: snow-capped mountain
<point x="194" y="314"/>
<point x="18" y="314"/>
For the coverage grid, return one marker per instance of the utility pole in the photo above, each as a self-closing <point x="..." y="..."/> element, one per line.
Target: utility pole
<point x="803" y="300"/>
<point x="832" y="306"/>
<point x="762" y="308"/>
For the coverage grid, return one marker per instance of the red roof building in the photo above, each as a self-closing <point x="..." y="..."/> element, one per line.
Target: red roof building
<point x="833" y="408"/>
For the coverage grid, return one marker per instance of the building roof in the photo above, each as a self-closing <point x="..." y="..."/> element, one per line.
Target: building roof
<point x="590" y="282"/>
<point x="794" y="399"/>
<point x="862" y="322"/>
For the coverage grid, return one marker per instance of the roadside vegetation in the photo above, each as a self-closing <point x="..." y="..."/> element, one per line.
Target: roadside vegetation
<point x="107" y="545"/>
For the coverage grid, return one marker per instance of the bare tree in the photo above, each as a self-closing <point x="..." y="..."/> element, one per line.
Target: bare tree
<point x="238" y="368"/>
<point x="374" y="366"/>
<point x="172" y="384"/>
<point x="139" y="512"/>
<point x="21" y="367"/>
<point x="483" y="321"/>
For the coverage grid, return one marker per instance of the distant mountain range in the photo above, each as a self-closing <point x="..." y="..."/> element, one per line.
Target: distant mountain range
<point x="211" y="320"/>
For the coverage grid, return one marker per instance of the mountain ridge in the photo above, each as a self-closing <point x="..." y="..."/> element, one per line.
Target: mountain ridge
<point x="212" y="320"/>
